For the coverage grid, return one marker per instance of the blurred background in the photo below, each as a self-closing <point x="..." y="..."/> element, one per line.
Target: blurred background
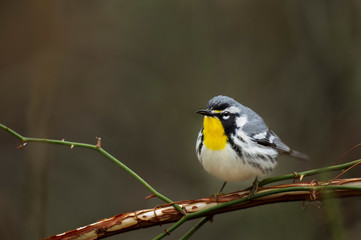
<point x="135" y="72"/>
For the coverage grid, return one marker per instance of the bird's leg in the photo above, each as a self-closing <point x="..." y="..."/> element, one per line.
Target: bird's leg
<point x="224" y="184"/>
<point x="220" y="191"/>
<point x="254" y="188"/>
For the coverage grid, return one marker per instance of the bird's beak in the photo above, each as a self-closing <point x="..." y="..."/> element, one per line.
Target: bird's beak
<point x="205" y="112"/>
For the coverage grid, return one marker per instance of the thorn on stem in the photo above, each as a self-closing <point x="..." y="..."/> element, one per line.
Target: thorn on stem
<point x="150" y="196"/>
<point x="300" y="177"/>
<point x="99" y="142"/>
<point x="22" y="144"/>
<point x="314" y="182"/>
<point x="184" y="211"/>
<point x="313" y="195"/>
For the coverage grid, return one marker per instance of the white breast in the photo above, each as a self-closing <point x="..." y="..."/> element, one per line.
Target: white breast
<point x="227" y="166"/>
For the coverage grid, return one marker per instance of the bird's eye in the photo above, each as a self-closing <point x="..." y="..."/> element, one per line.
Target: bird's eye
<point x="226" y="115"/>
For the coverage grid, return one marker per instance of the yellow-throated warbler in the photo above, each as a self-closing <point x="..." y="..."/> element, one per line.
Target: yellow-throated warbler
<point x="235" y="144"/>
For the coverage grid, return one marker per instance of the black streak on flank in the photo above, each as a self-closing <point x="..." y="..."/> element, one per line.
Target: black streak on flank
<point x="200" y="144"/>
<point x="241" y="139"/>
<point x="258" y="166"/>
<point x="237" y="149"/>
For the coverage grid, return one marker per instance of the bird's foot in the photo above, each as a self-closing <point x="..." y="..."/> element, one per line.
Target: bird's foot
<point x="253" y="189"/>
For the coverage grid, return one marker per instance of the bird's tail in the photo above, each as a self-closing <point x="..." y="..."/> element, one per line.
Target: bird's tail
<point x="298" y="155"/>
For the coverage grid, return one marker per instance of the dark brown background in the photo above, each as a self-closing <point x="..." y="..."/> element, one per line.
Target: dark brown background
<point x="135" y="72"/>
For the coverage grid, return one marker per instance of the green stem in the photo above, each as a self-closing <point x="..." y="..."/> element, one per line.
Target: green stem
<point x="172" y="228"/>
<point x="196" y="227"/>
<point x="11" y="131"/>
<point x="210" y="210"/>
<point x="99" y="149"/>
<point x="308" y="173"/>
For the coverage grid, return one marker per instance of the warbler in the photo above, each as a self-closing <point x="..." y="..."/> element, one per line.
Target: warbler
<point x="235" y="143"/>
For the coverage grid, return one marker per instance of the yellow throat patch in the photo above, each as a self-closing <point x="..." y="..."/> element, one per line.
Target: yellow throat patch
<point x="214" y="136"/>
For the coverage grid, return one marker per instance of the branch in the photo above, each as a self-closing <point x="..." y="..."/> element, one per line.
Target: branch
<point x="182" y="211"/>
<point x="97" y="147"/>
<point x="163" y="214"/>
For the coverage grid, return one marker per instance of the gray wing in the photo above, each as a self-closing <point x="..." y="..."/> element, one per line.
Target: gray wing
<point x="273" y="141"/>
<point x="270" y="139"/>
<point x="258" y="131"/>
<point x="255" y="124"/>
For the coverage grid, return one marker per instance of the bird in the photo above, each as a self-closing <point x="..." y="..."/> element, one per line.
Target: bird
<point x="236" y="145"/>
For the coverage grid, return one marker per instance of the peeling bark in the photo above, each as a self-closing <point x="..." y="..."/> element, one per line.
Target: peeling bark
<point x="165" y="213"/>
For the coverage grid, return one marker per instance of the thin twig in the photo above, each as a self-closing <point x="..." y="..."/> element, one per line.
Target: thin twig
<point x="97" y="147"/>
<point x="195" y="228"/>
<point x="339" y="175"/>
<point x="308" y="173"/>
<point x="347" y="152"/>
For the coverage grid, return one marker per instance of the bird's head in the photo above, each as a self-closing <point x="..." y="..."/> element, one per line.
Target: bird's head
<point x="220" y="117"/>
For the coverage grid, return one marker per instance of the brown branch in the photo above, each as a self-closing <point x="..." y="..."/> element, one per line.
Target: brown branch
<point x="166" y="213"/>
